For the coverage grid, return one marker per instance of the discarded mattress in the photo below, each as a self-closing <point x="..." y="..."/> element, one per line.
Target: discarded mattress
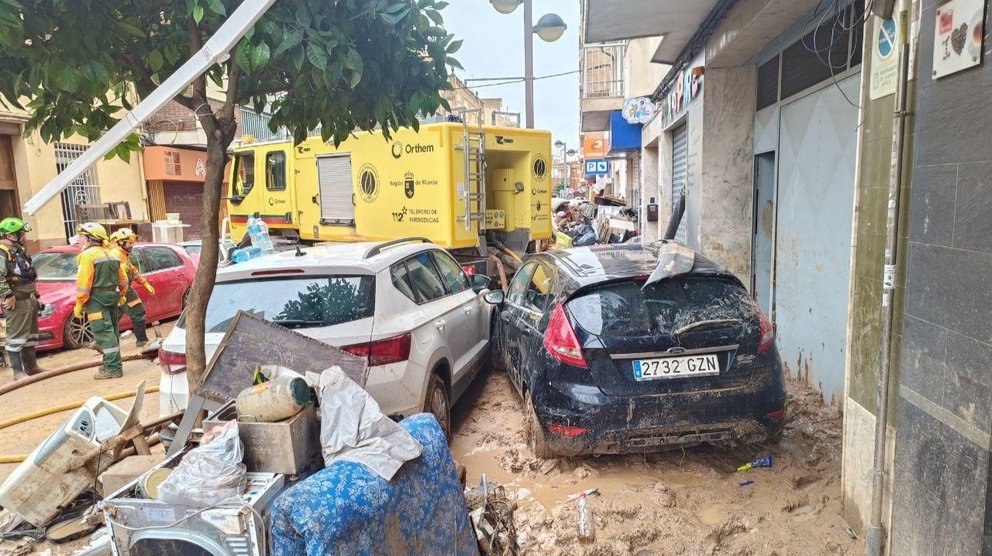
<point x="348" y="509"/>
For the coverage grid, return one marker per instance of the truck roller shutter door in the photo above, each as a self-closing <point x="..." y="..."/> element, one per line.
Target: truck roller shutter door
<point x="336" y="191"/>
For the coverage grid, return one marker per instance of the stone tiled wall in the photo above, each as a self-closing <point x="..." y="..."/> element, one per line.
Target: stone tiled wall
<point x="941" y="477"/>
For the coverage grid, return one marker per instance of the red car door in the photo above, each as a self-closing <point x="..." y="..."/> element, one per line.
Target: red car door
<point x="152" y="305"/>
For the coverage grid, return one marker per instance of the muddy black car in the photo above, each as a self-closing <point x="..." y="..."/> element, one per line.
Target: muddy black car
<point x="611" y="359"/>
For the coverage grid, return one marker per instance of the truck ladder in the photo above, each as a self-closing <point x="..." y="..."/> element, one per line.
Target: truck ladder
<point x="474" y="149"/>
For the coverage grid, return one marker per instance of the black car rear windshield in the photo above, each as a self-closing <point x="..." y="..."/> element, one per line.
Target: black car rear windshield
<point x="292" y="302"/>
<point x="623" y="309"/>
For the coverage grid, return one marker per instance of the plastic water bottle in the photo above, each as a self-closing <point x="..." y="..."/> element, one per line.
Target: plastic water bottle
<point x="246" y="254"/>
<point x="258" y="231"/>
<point x="587" y="526"/>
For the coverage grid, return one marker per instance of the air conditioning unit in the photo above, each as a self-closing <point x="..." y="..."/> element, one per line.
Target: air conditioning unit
<point x="52" y="477"/>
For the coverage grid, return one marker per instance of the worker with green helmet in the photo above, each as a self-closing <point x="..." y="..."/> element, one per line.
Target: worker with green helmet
<point x="20" y="297"/>
<point x="121" y="243"/>
<point x="101" y="285"/>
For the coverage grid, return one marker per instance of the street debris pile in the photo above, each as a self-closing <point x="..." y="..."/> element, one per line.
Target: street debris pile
<point x="581" y="223"/>
<point x="784" y="500"/>
<point x="255" y="474"/>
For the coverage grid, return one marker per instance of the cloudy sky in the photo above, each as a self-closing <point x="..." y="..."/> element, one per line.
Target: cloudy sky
<point x="494" y="47"/>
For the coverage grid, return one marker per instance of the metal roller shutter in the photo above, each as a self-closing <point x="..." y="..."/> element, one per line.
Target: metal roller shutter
<point x="680" y="174"/>
<point x="337" y="204"/>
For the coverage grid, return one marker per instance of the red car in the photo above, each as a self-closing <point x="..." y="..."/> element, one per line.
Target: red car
<point x="169" y="268"/>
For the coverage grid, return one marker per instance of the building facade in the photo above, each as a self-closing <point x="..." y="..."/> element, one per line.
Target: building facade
<point x="27" y="164"/>
<point x="777" y="121"/>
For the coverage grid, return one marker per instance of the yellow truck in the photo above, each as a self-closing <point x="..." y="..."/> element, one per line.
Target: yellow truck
<point x="451" y="183"/>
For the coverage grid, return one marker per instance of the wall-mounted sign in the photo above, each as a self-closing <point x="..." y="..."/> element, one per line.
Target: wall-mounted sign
<point x="884" y="58"/>
<point x="595" y="145"/>
<point x="686" y="87"/>
<point x="958" y="36"/>
<point x="597" y="167"/>
<point x="638" y="110"/>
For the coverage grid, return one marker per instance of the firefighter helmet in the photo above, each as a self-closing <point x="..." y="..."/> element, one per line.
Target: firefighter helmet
<point x="13" y="225"/>
<point x="93" y="230"/>
<point x="124" y="234"/>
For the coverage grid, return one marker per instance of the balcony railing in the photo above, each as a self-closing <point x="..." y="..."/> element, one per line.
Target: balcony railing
<point x="602" y="70"/>
<point x="257" y="125"/>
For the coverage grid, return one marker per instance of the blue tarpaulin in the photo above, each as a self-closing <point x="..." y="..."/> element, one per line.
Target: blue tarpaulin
<point x="347" y="509"/>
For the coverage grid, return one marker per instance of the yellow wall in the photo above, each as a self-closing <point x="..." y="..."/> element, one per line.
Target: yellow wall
<point x="34" y="163"/>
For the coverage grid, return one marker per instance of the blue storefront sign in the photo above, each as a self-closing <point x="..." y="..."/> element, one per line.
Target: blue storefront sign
<point x="597" y="167"/>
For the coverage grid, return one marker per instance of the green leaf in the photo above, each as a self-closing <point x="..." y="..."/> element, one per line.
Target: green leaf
<point x="454" y="46"/>
<point x="317" y="56"/>
<point x="155" y="60"/>
<point x="71" y="79"/>
<point x="260" y="56"/>
<point x="197" y="13"/>
<point x="217" y="7"/>
<point x="289" y="40"/>
<point x="132" y="30"/>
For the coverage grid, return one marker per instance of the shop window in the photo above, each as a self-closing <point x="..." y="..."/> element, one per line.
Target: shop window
<point x="275" y="171"/>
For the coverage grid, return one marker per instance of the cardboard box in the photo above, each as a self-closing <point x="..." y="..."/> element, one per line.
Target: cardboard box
<point x="290" y="447"/>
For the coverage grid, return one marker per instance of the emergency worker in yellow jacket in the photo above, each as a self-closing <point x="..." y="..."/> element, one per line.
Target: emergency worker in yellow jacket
<point x="101" y="285"/>
<point x="121" y="243"/>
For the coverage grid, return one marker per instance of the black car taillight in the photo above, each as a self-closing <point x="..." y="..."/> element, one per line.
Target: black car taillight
<point x="767" y="332"/>
<point x="560" y="340"/>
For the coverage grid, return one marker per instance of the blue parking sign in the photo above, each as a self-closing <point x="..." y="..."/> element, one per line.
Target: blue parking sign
<point x="597" y="167"/>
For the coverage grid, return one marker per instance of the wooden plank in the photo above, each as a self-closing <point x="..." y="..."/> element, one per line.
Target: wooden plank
<point x="251" y="341"/>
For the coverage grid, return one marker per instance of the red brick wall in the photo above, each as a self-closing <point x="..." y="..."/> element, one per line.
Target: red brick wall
<point x="187" y="200"/>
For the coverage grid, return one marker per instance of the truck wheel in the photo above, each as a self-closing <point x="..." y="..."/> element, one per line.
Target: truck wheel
<point x="536" y="437"/>
<point x="438" y="403"/>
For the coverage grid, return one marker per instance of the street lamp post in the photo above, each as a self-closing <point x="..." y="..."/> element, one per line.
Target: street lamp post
<point x="550" y="28"/>
<point x="565" y="153"/>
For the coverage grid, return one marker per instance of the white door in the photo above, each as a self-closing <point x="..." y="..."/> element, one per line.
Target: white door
<point x="817" y="153"/>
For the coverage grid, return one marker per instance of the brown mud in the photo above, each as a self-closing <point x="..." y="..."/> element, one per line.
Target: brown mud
<point x="678" y="502"/>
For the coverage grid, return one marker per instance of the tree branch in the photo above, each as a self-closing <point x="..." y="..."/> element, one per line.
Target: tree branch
<point x="231" y="100"/>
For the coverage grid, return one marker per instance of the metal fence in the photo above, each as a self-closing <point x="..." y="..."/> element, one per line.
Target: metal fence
<point x="257" y="125"/>
<point x="602" y="70"/>
<point x="83" y="190"/>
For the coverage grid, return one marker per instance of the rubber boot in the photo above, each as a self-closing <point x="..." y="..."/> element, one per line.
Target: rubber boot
<point x="29" y="358"/>
<point x="140" y="333"/>
<point x="102" y="374"/>
<point x="17" y="364"/>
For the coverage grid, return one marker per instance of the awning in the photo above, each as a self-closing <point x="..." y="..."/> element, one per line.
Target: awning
<point x="675" y="20"/>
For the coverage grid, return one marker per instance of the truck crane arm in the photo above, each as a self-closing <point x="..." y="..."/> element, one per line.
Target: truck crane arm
<point x="215" y="50"/>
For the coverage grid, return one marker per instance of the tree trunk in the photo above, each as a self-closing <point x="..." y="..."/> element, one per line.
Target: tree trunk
<point x="206" y="273"/>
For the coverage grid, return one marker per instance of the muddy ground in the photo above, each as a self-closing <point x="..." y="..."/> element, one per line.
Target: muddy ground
<point x="681" y="502"/>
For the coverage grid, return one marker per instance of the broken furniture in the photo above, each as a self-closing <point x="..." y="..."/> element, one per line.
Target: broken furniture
<point x="251" y="342"/>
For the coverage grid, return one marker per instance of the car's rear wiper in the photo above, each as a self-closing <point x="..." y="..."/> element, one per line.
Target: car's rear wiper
<point x="705" y="323"/>
<point x="291" y="323"/>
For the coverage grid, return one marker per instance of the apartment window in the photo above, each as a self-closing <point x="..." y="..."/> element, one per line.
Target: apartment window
<point x="173" y="164"/>
<point x="83" y="190"/>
